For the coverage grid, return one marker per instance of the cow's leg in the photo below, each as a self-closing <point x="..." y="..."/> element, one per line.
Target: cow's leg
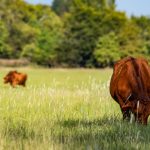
<point x="24" y="84"/>
<point x="13" y="84"/>
<point x="142" y="119"/>
<point x="125" y="112"/>
<point x="126" y="115"/>
<point x="145" y="120"/>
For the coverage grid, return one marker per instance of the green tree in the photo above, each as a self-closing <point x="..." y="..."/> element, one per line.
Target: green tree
<point x="61" y="6"/>
<point x="49" y="28"/>
<point x="143" y="23"/>
<point x="32" y="52"/>
<point x="28" y="30"/>
<point x="130" y="40"/>
<point x="83" y="27"/>
<point x="5" y="50"/>
<point x="107" y="50"/>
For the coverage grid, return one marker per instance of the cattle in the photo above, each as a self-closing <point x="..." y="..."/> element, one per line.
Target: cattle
<point x="15" y="78"/>
<point x="130" y="88"/>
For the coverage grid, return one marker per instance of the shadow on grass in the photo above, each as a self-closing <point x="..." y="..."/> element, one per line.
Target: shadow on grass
<point x="70" y="123"/>
<point x="105" y="133"/>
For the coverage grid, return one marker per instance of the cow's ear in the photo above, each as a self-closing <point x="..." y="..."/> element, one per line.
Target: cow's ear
<point x="126" y="106"/>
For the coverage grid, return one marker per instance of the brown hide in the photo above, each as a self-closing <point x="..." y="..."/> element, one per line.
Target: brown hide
<point x="130" y="87"/>
<point x="15" y="78"/>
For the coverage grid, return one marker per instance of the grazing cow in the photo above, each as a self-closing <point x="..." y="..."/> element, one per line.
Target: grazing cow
<point x="130" y="87"/>
<point x="15" y="78"/>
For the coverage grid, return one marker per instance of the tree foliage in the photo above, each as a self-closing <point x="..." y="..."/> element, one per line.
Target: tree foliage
<point x="29" y="31"/>
<point x="61" y="6"/>
<point x="83" y="27"/>
<point x="73" y="33"/>
<point x="107" y="50"/>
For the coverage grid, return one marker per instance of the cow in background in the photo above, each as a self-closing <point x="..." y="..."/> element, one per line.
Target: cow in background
<point x="130" y="88"/>
<point x="15" y="78"/>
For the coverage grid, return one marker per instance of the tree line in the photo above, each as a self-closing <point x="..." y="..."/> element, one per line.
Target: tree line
<point x="71" y="33"/>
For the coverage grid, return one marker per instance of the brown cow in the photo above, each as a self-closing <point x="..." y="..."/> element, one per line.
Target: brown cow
<point x="130" y="87"/>
<point x="15" y="78"/>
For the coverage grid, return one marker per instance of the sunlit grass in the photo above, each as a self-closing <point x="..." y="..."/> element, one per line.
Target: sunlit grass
<point x="65" y="109"/>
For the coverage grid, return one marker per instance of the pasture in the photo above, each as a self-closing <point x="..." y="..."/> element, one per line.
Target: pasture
<point x="65" y="109"/>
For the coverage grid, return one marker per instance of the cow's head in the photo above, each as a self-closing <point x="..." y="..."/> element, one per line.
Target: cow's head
<point x="9" y="77"/>
<point x="138" y="109"/>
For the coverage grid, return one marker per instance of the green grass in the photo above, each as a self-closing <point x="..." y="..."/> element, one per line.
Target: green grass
<point x="65" y="109"/>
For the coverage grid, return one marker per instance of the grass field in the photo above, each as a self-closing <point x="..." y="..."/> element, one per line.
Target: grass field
<point x="65" y="110"/>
